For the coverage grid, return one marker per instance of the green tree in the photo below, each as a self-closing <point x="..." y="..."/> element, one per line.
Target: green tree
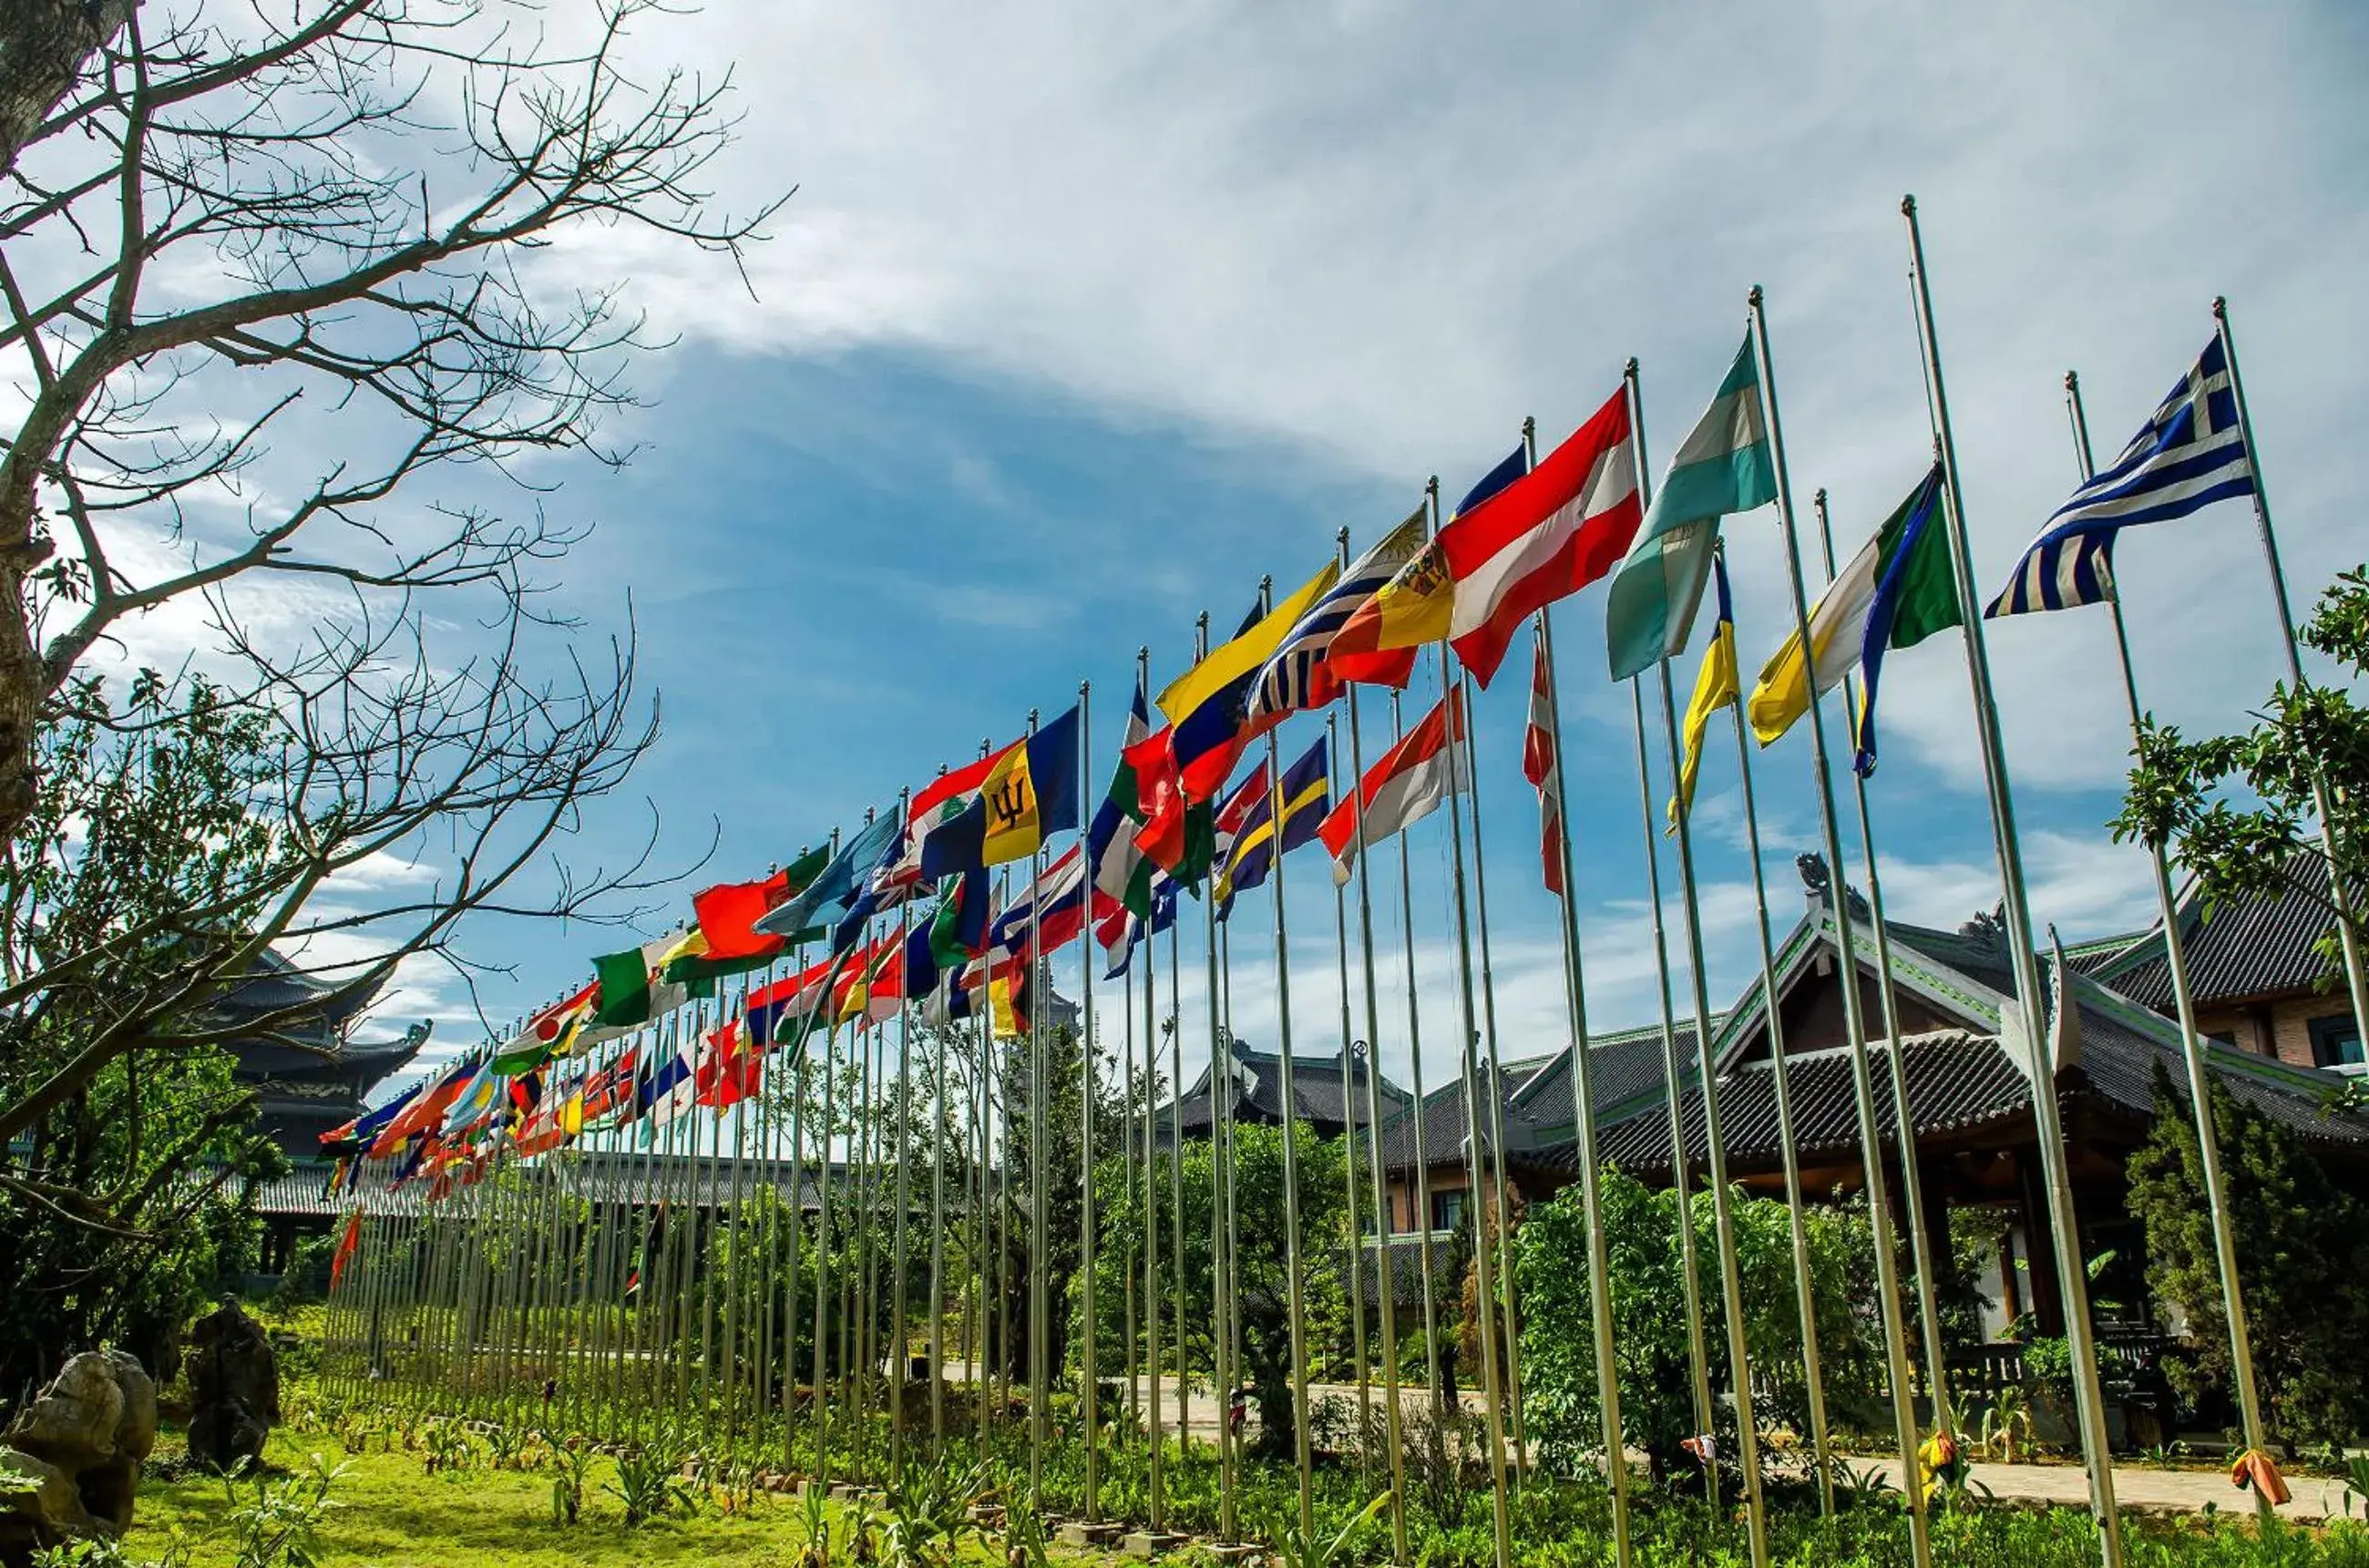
<point x="1641" y="1228"/>
<point x="1261" y="1283"/>
<point x="2237" y="809"/>
<point x="2303" y="1251"/>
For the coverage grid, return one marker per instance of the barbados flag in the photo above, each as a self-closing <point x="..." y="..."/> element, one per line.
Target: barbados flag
<point x="1029" y="794"/>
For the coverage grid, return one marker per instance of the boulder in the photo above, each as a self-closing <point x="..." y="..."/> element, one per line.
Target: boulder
<point x="234" y="1389"/>
<point x="82" y="1443"/>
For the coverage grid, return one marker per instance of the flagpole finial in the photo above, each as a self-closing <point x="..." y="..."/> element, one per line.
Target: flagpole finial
<point x="1202" y="621"/>
<point x="1819" y="500"/>
<point x="1431" y="486"/>
<point x="1530" y="424"/>
<point x="2221" y="308"/>
<point x="1755" y="297"/>
<point x="2072" y="381"/>
<point x="1342" y="537"/>
<point x="1908" y="205"/>
<point x="1083" y="685"/>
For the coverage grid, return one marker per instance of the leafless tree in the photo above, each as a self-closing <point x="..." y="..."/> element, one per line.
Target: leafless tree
<point x="231" y="222"/>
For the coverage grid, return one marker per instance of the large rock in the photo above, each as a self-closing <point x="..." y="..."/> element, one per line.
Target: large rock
<point x="83" y="1441"/>
<point x="234" y="1389"/>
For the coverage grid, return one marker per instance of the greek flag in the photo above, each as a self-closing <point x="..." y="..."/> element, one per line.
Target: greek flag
<point x="2190" y="454"/>
<point x="1294" y="677"/>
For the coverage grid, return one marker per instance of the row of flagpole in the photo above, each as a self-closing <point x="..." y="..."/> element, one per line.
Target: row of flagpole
<point x="527" y="1293"/>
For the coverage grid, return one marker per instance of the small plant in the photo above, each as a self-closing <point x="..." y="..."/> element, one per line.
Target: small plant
<point x="1023" y="1540"/>
<point x="280" y="1526"/>
<point x="649" y="1483"/>
<point x="1864" y="1485"/>
<point x="2355" y="1491"/>
<point x="451" y="1450"/>
<point x="1294" y="1548"/>
<point x="928" y="1515"/>
<point x="2006" y="1434"/>
<point x="512" y="1446"/>
<point x="816" y="1523"/>
<point x="733" y="1487"/>
<point x="571" y="1467"/>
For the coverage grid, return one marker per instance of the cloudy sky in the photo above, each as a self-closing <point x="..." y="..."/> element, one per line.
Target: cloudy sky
<point x="1083" y="318"/>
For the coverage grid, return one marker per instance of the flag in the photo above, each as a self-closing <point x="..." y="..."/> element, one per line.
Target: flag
<point x="631" y="992"/>
<point x="423" y="1111"/>
<point x="1717" y="685"/>
<point x="1007" y="996"/>
<point x="1299" y="675"/>
<point x="349" y="1241"/>
<point x="1375" y="645"/>
<point x="1028" y="796"/>
<point x="941" y="804"/>
<point x="1300" y="797"/>
<point x="1543" y="537"/>
<point x="1543" y="767"/>
<point x="1895" y="592"/>
<point x="1206" y="705"/>
<point x="1122" y="872"/>
<point x="728" y="915"/>
<point x="1406" y="785"/>
<point x="611" y="1088"/>
<point x="2190" y="453"/>
<point x="1179" y="835"/>
<point x="1723" y="466"/>
<point x="366" y="1129"/>
<point x="838" y="884"/>
<point x="1055" y="903"/>
<point x="662" y="1095"/>
<point x="1118" y="928"/>
<point x="1512" y="466"/>
<point x="548" y="1034"/>
<point x="729" y="1071"/>
<point x="954" y="933"/>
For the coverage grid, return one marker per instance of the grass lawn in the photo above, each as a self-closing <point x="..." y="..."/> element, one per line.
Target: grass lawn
<point x="390" y="1513"/>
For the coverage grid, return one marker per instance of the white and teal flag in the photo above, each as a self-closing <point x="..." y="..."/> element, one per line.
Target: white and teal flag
<point x="1723" y="466"/>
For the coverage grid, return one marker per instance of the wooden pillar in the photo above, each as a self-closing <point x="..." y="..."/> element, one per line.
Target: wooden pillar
<point x="1933" y="1177"/>
<point x="2040" y="1242"/>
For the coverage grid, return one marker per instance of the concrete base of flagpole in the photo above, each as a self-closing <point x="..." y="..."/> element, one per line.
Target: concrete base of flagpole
<point x="1151" y="1543"/>
<point x="1233" y="1550"/>
<point x="1078" y="1533"/>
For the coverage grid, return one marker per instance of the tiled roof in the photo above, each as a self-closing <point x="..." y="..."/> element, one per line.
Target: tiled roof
<point x="1315" y="1087"/>
<point x="2250" y="948"/>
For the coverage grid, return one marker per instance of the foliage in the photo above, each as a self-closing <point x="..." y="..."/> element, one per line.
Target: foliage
<point x="649" y="1483"/>
<point x="1648" y="1324"/>
<point x="928" y="1510"/>
<point x="1260" y="1283"/>
<point x="571" y="1467"/>
<point x="2237" y="808"/>
<point x="2303" y="1249"/>
<point x="279" y="1525"/>
<point x="1295" y="1548"/>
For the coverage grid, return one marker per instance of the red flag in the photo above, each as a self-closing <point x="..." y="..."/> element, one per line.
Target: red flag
<point x="1544" y="769"/>
<point x="1547" y="535"/>
<point x="728" y="1072"/>
<point x="1160" y="792"/>
<point x="728" y="913"/>
<point x="348" y="1244"/>
<point x="1406" y="785"/>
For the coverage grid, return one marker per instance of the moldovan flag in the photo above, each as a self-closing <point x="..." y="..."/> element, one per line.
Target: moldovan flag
<point x="1543" y="767"/>
<point x="1206" y="705"/>
<point x="1406" y="785"/>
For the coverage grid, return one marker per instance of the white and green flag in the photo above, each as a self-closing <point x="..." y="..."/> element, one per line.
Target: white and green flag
<point x="1723" y="466"/>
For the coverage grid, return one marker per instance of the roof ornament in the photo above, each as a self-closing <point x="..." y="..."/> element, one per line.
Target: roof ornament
<point x="1818" y="884"/>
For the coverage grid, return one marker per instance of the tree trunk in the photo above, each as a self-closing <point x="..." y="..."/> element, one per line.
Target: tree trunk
<point x="43" y="46"/>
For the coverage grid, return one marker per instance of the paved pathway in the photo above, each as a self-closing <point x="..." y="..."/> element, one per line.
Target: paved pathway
<point x="2135" y="1486"/>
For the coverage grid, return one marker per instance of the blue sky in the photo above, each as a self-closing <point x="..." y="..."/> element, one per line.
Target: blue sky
<point x="1083" y="319"/>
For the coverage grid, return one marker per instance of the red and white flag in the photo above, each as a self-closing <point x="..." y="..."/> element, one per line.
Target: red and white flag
<point x="1402" y="789"/>
<point x="1543" y="537"/>
<point x="1543" y="767"/>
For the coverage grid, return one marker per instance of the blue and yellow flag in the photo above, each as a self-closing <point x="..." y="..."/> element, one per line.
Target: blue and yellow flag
<point x="1028" y="796"/>
<point x="1208" y="704"/>
<point x="1304" y="793"/>
<point x="1716" y="687"/>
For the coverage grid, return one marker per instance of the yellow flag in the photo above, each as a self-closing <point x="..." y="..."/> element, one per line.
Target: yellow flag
<point x="1715" y="688"/>
<point x="571" y="1114"/>
<point x="1006" y="1019"/>
<point x="1232" y="661"/>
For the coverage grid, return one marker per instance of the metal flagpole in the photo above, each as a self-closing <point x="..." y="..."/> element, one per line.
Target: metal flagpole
<point x="1154" y="1483"/>
<point x="1912" y="1181"/>
<point x="1176" y="1187"/>
<point x="1385" y="1268"/>
<point x="1229" y="1238"/>
<point x="1483" y="1284"/>
<point x="900" y="1279"/>
<point x="822" y="1232"/>
<point x="1040" y="1338"/>
<point x="1223" y="1379"/>
<point x="1582" y="1112"/>
<point x="2046" y="1114"/>
<point x="1748" y="1437"/>
<point x="1357" y="1271"/>
<point x="1089" y="1392"/>
<point x="1887" y="1267"/>
<point x="1697" y="1354"/>
<point x="2191" y="1042"/>
<point x="1134" y="1361"/>
<point x="942" y="1124"/>
<point x="1779" y="1075"/>
<point x="1276" y="806"/>
<point x="2339" y="895"/>
<point x="1423" y="1219"/>
<point x="1495" y="1125"/>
